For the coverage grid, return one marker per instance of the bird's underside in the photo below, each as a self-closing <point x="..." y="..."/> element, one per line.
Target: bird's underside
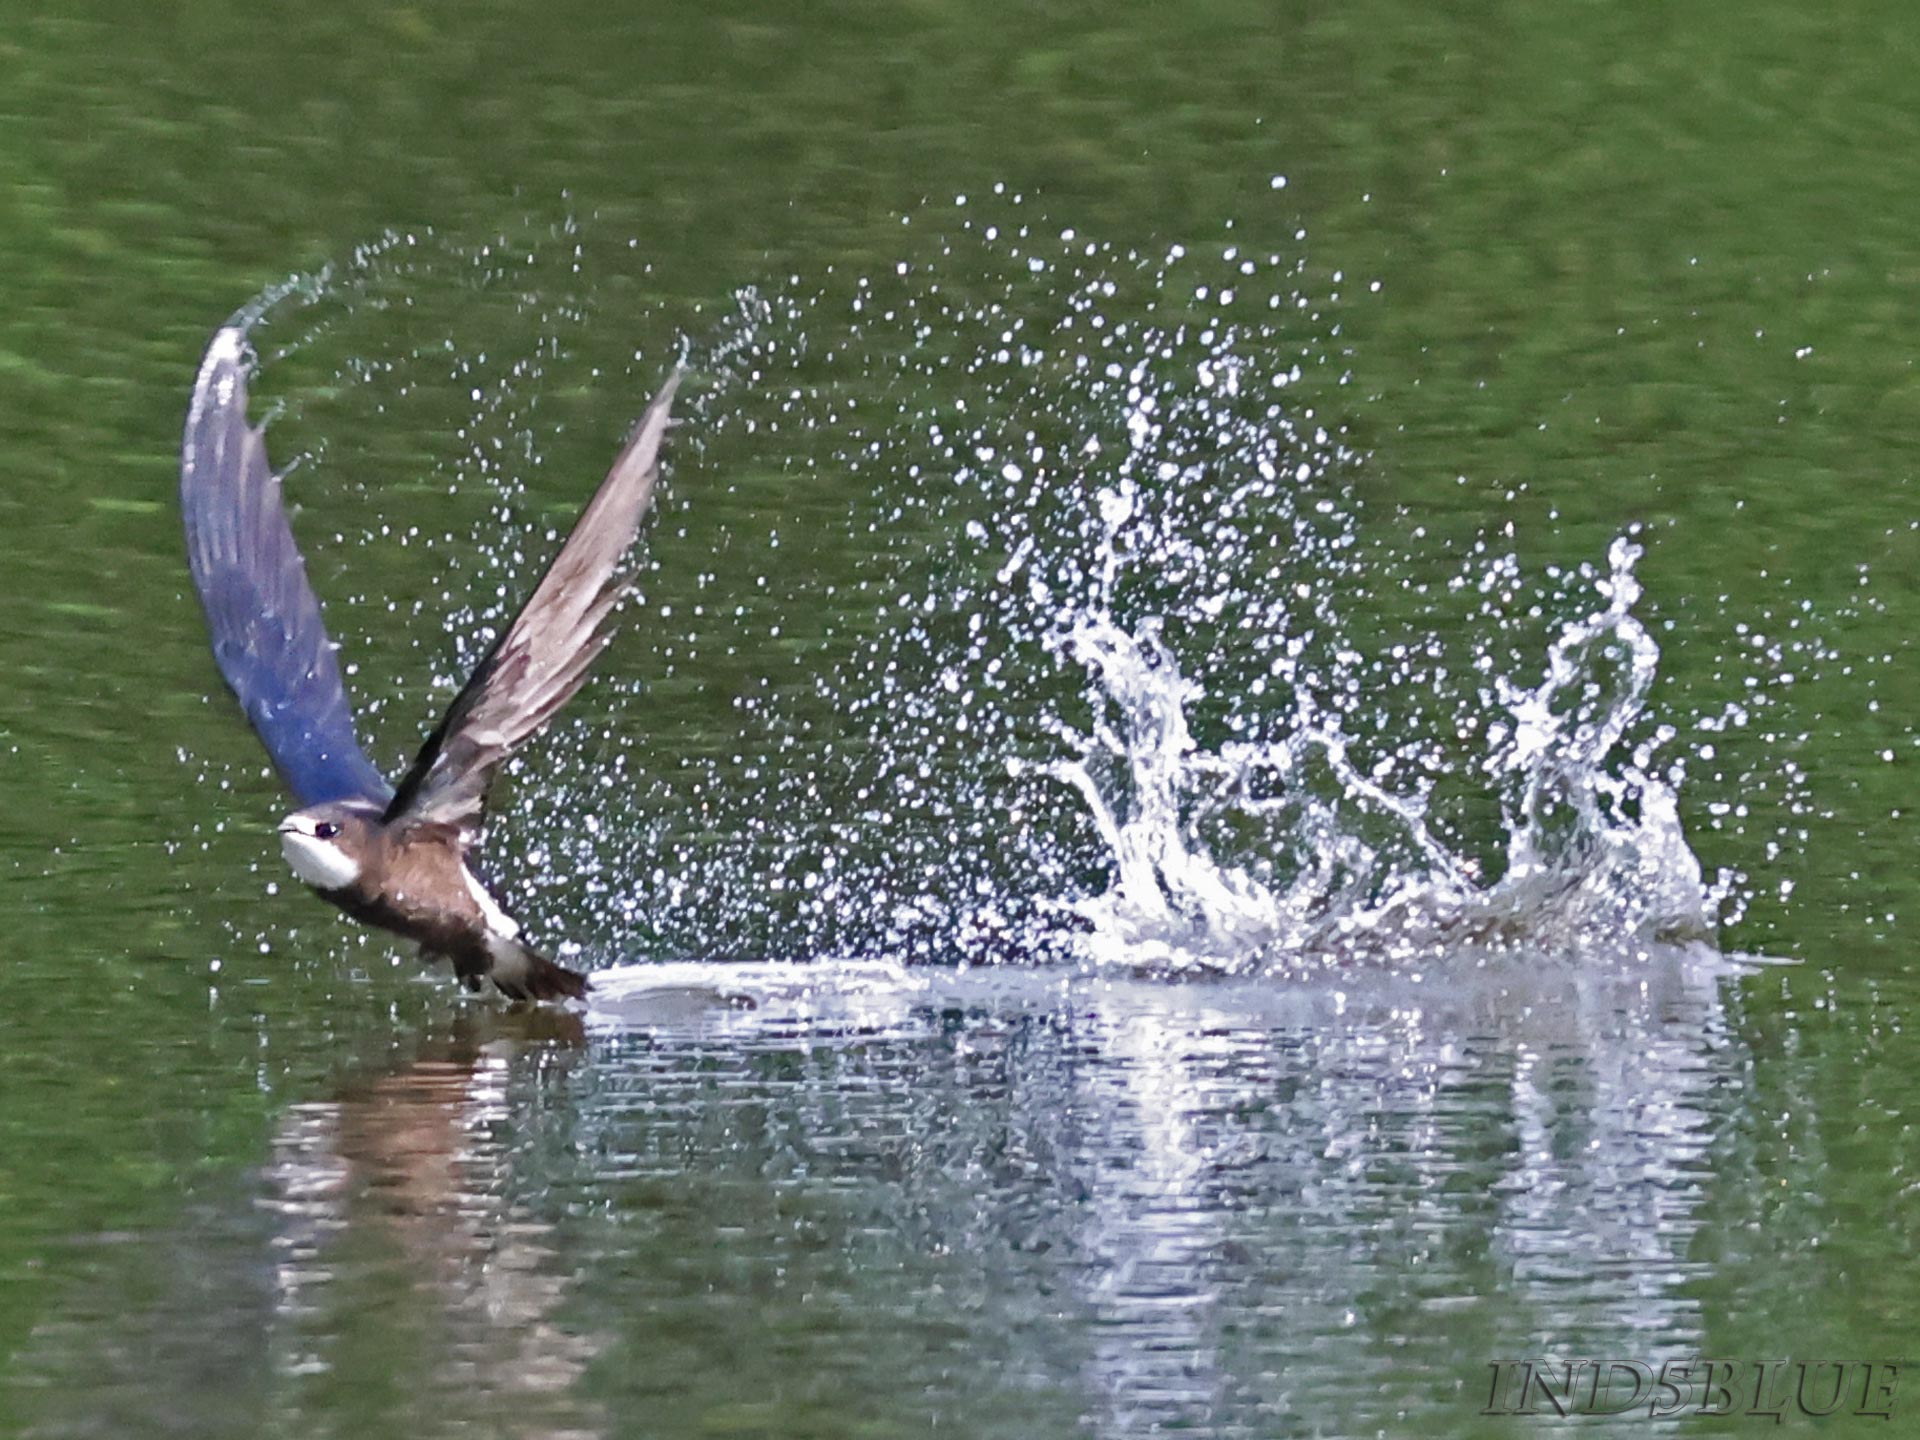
<point x="397" y="857"/>
<point x="418" y="884"/>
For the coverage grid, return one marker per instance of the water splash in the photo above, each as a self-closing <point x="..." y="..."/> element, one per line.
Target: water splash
<point x="1594" y="848"/>
<point x="1150" y="586"/>
<point x="1059" y="618"/>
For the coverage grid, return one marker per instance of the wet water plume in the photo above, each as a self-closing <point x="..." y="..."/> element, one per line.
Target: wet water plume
<point x="1118" y="661"/>
<point x="1144" y="684"/>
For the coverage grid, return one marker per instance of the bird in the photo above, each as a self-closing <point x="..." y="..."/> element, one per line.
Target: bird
<point x="395" y="856"/>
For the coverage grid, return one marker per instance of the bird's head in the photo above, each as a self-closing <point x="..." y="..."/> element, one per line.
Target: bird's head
<point x="327" y="844"/>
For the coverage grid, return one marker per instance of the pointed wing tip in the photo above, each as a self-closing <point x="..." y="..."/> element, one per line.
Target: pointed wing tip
<point x="644" y="443"/>
<point x="220" y="385"/>
<point x="227" y="354"/>
<point x="663" y="398"/>
<point x="229" y="343"/>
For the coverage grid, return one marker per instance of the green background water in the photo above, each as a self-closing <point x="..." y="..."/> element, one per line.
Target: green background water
<point x="1635" y="264"/>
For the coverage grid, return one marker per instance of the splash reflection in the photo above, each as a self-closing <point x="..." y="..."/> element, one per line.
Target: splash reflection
<point x="1252" y="1206"/>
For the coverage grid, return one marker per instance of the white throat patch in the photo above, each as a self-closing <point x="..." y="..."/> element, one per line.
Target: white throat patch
<point x="320" y="863"/>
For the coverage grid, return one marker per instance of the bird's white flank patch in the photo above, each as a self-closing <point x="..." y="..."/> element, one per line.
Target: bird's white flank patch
<point x="498" y="921"/>
<point x="320" y="863"/>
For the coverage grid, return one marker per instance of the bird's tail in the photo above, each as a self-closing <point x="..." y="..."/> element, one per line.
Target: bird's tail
<point x="528" y="975"/>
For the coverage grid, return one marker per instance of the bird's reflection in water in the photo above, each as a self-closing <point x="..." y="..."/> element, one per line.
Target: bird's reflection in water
<point x="399" y="1228"/>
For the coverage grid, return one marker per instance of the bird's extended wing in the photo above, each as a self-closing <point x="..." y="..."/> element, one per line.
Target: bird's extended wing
<point x="543" y="658"/>
<point x="268" y="637"/>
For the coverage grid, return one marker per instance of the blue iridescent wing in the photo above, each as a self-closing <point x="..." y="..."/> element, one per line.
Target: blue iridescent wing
<point x="264" y="622"/>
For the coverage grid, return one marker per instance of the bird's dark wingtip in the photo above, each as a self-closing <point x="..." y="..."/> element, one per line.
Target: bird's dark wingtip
<point x="663" y="398"/>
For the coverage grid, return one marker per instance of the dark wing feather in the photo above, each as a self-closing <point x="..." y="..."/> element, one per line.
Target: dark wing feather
<point x="540" y="662"/>
<point x="268" y="637"/>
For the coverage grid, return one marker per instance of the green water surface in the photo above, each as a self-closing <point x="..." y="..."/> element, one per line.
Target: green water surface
<point x="1635" y="264"/>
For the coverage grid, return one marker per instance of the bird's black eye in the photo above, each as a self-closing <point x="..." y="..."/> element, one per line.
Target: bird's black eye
<point x="326" y="830"/>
